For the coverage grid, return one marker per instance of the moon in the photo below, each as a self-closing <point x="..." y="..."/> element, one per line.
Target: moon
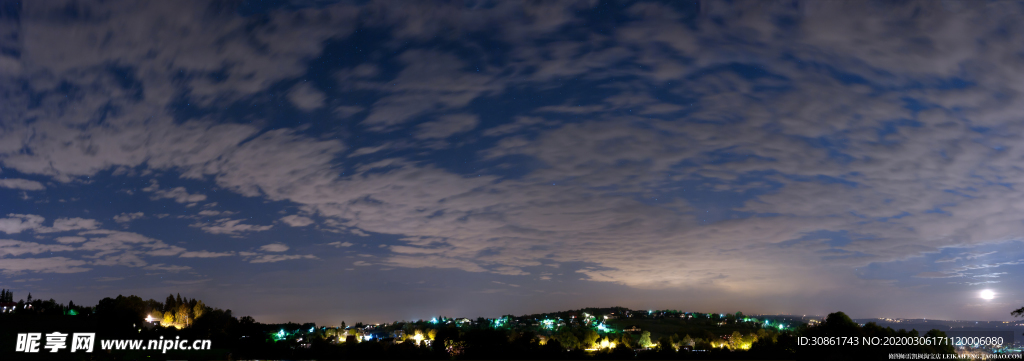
<point x="987" y="294"/>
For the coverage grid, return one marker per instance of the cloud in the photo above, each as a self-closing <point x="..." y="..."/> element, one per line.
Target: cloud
<point x="128" y="217"/>
<point x="448" y="125"/>
<point x="10" y="247"/>
<point x="70" y="224"/>
<point x="305" y="97"/>
<point x="432" y="261"/>
<point x="22" y="184"/>
<point x="431" y="81"/>
<point x="347" y="111"/>
<point x="805" y="127"/>
<point x="71" y="239"/>
<point x="189" y="282"/>
<point x="167" y="268"/>
<point x="16" y="223"/>
<point x="271" y="258"/>
<point x="274" y="247"/>
<point x="296" y="221"/>
<point x="937" y="275"/>
<point x="340" y="244"/>
<point x="205" y="254"/>
<point x="179" y="194"/>
<point x="11" y="266"/>
<point x="229" y="226"/>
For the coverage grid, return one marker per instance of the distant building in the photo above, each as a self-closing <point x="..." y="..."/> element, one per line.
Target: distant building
<point x="631" y="329"/>
<point x="7" y="307"/>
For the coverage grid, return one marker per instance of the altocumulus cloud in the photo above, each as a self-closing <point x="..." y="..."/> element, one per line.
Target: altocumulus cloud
<point x="848" y="119"/>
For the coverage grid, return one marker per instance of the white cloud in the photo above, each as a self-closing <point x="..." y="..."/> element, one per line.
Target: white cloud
<point x="340" y="244"/>
<point x="70" y="224"/>
<point x="271" y="258"/>
<point x="128" y="217"/>
<point x="296" y="221"/>
<point x="274" y="247"/>
<point x="205" y="254"/>
<point x="10" y="247"/>
<point x="11" y="266"/>
<point x="305" y="97"/>
<point x="23" y="184"/>
<point x="178" y="194"/>
<point x="229" y="226"/>
<point x="167" y="268"/>
<point x="189" y="282"/>
<point x="448" y="125"/>
<point x="15" y="223"/>
<point x="70" y="239"/>
<point x="560" y="212"/>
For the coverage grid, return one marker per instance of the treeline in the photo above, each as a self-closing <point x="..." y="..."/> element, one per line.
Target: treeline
<point x="124" y="317"/>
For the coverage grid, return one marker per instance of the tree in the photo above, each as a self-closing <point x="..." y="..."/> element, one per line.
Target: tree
<point x="568" y="340"/>
<point x="665" y="343"/>
<point x="590" y="338"/>
<point x="168" y="319"/>
<point x="1018" y="312"/>
<point x="199" y="309"/>
<point x="687" y="341"/>
<point x="181" y="315"/>
<point x="627" y="341"/>
<point x="169" y="305"/>
<point x="29" y="300"/>
<point x="735" y="340"/>
<point x="645" y="339"/>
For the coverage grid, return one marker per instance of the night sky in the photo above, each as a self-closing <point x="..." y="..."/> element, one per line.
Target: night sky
<point x="376" y="161"/>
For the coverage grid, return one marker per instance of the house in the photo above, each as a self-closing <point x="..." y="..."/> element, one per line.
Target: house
<point x="8" y="306"/>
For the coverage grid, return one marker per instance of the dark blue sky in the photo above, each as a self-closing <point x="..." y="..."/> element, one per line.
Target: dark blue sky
<point x="379" y="161"/>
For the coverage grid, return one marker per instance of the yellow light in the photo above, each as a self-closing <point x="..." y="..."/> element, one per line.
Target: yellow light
<point x="604" y="343"/>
